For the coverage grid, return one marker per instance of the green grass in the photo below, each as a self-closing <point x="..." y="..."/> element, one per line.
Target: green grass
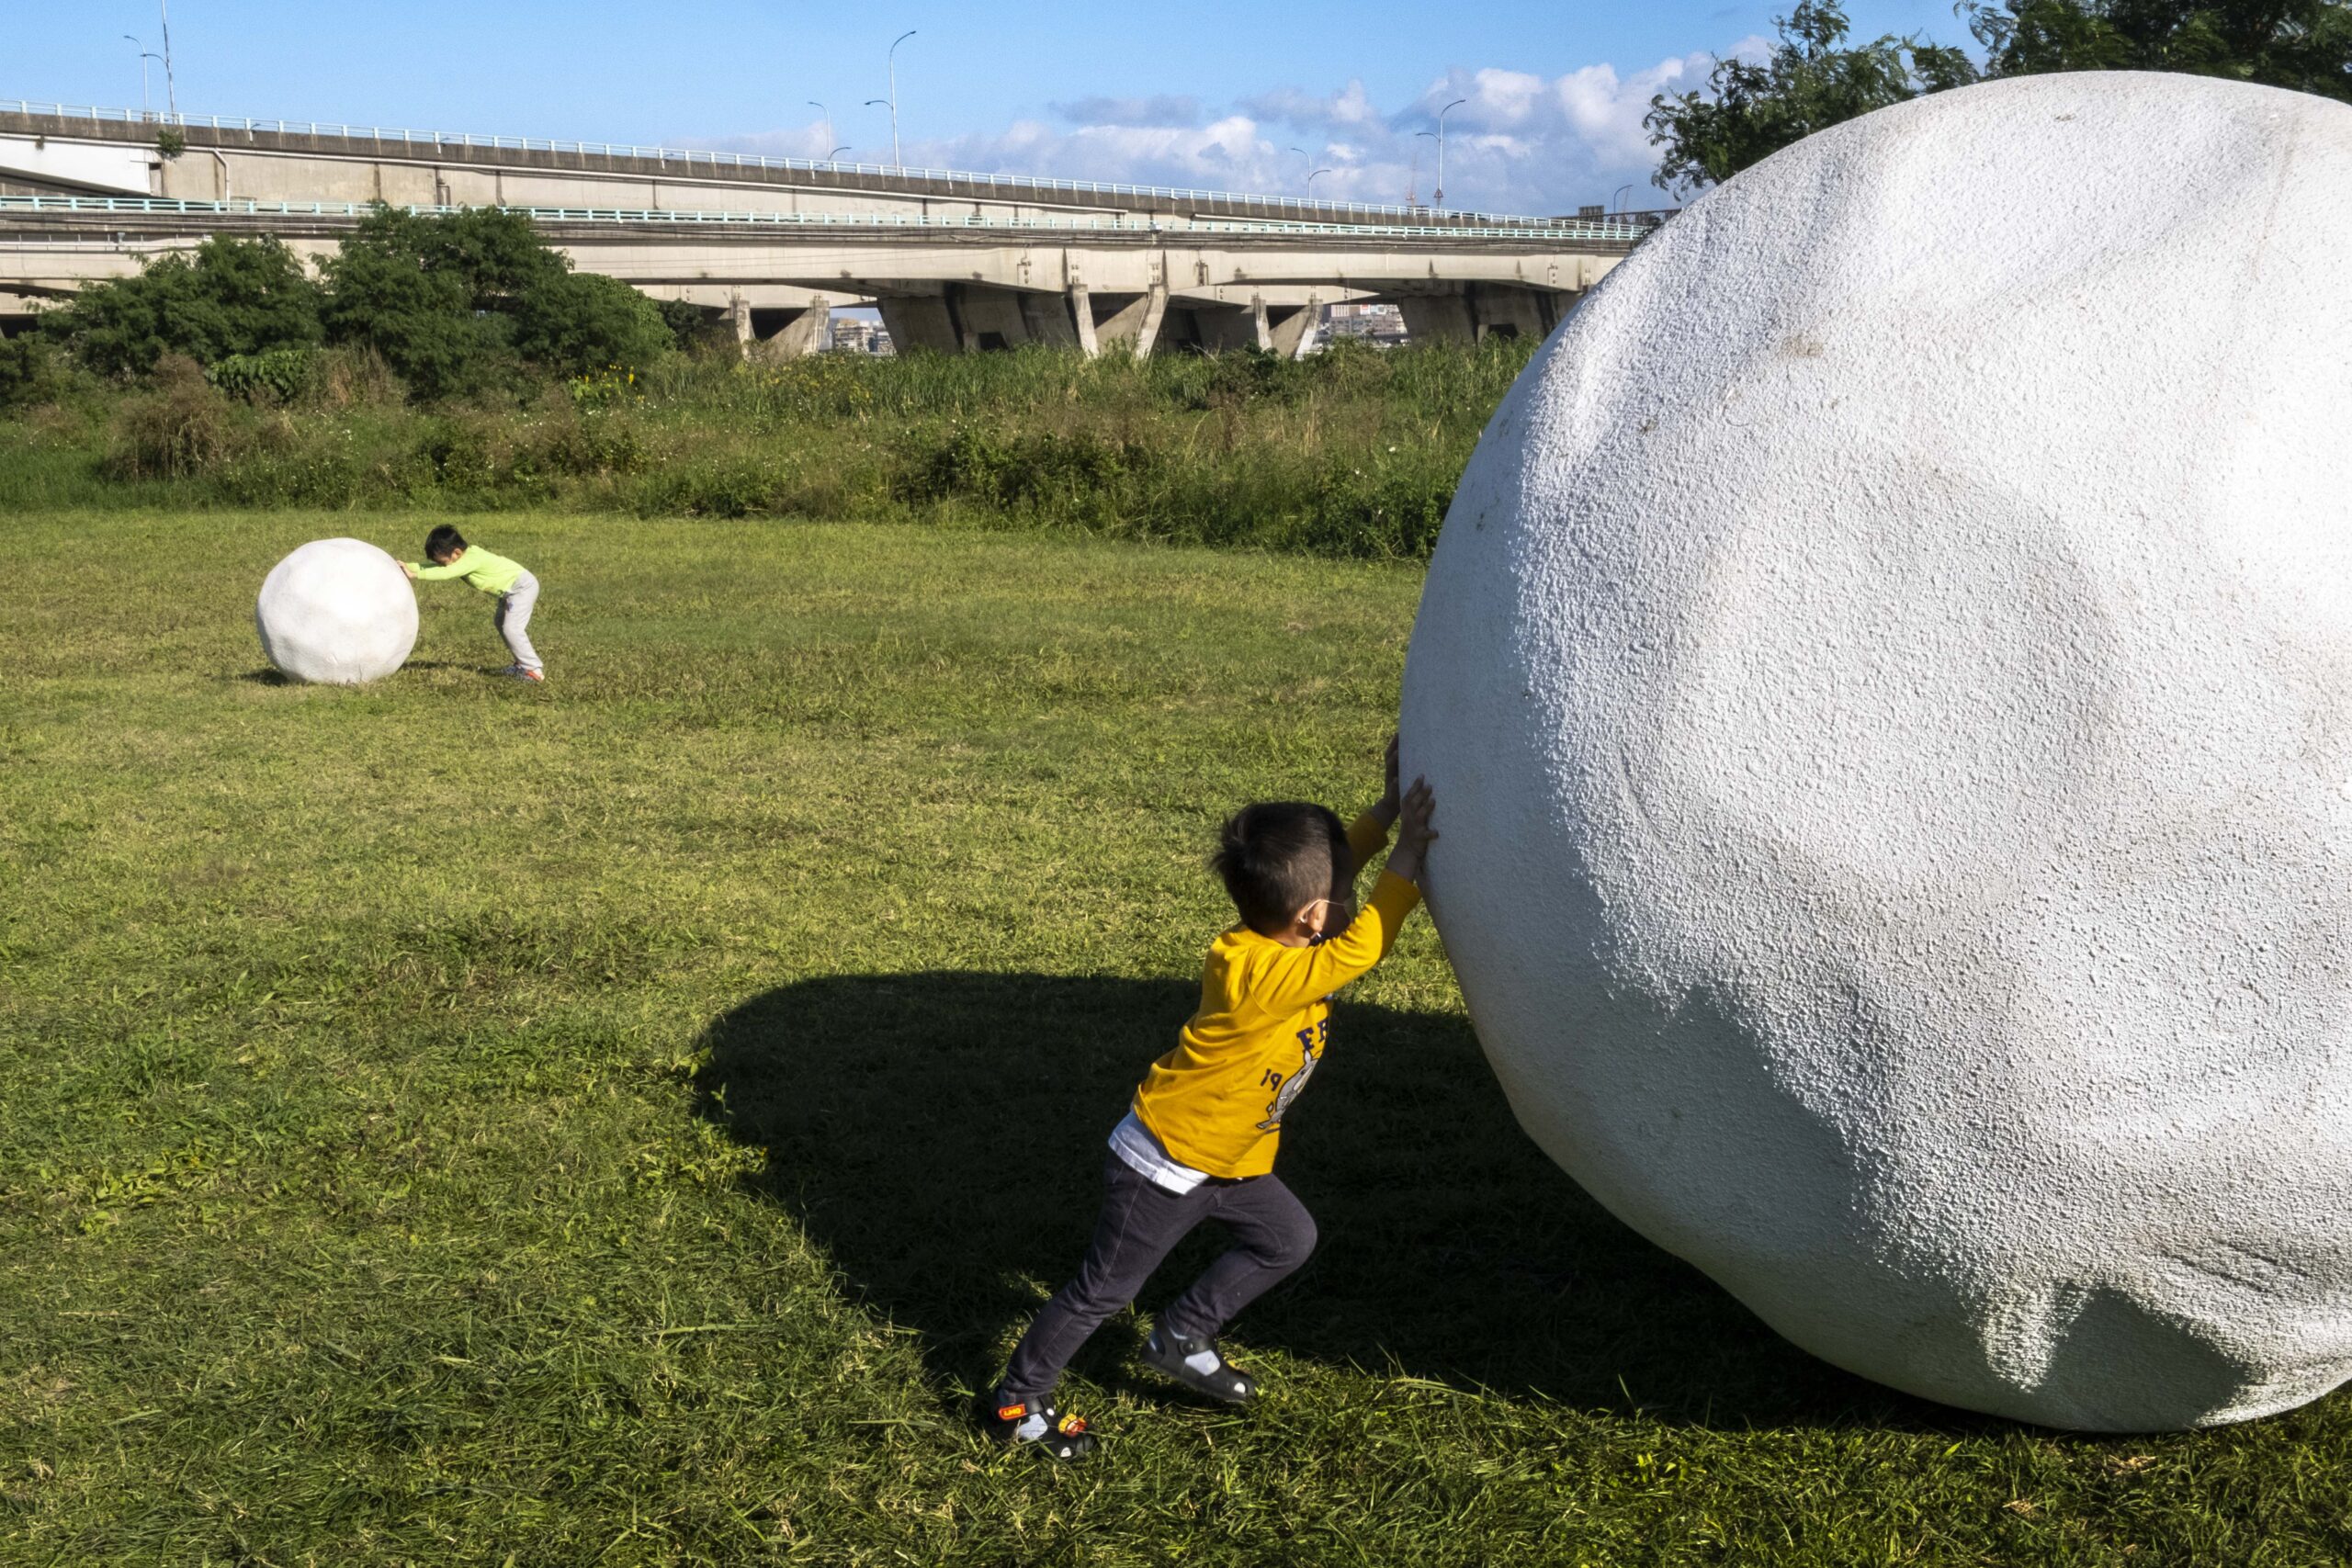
<point x="451" y="1122"/>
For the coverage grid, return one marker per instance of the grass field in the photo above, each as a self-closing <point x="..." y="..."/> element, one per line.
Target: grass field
<point x="620" y="1123"/>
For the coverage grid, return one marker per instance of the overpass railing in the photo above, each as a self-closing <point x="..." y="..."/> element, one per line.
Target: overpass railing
<point x="715" y="159"/>
<point x="1603" y="231"/>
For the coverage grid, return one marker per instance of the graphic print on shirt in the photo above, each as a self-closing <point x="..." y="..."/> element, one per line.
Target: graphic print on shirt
<point x="1310" y="1051"/>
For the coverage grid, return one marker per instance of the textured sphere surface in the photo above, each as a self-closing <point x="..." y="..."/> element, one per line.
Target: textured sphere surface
<point x="1887" y="677"/>
<point x="337" y="612"/>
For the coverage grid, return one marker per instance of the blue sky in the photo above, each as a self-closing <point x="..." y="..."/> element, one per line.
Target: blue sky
<point x="1213" y="94"/>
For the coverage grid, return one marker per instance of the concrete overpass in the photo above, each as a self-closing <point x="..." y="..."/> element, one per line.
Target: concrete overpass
<point x="955" y="262"/>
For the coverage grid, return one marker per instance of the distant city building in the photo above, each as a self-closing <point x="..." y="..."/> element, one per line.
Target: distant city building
<point x="1382" y="325"/>
<point x="853" y="334"/>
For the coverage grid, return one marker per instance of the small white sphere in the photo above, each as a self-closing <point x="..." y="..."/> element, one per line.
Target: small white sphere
<point x="1888" y="680"/>
<point x="336" y="612"/>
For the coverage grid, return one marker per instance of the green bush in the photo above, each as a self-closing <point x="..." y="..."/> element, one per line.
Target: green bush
<point x="280" y="375"/>
<point x="30" y="372"/>
<point x="1354" y="451"/>
<point x="473" y="302"/>
<point x="229" y="297"/>
<point x="177" y="429"/>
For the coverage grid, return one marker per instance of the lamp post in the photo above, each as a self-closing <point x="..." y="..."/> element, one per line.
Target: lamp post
<point x="1310" y="183"/>
<point x="1449" y="108"/>
<point x="145" y="54"/>
<point x="891" y="62"/>
<point x="829" y="124"/>
<point x="1614" y="200"/>
<point x="171" y="91"/>
<point x="835" y="153"/>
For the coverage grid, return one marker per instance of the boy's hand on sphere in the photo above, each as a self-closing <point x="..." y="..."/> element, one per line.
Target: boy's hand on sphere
<point x="1414" y="834"/>
<point x="409" y="572"/>
<point x="1386" y="807"/>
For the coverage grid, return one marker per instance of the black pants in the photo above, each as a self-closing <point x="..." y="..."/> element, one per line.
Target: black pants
<point x="1140" y="1225"/>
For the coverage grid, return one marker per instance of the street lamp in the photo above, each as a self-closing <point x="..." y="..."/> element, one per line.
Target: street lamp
<point x="891" y="60"/>
<point x="828" y="123"/>
<point x="836" y="152"/>
<point x="1441" y="146"/>
<point x="145" y="54"/>
<point x="1310" y="183"/>
<point x="1620" y="191"/>
<point x="171" y="92"/>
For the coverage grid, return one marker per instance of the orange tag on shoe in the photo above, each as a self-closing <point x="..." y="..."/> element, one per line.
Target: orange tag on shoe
<point x="1073" y="1425"/>
<point x="1011" y="1412"/>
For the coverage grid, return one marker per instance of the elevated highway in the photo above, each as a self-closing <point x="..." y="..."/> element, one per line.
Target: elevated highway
<point x="955" y="262"/>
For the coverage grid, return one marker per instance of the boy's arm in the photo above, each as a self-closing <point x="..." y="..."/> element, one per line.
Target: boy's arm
<point x="425" y="572"/>
<point x="1367" y="836"/>
<point x="1369" y="832"/>
<point x="1292" y="977"/>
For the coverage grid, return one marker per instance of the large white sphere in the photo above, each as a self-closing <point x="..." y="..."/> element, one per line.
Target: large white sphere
<point x="1888" y="678"/>
<point x="337" y="612"/>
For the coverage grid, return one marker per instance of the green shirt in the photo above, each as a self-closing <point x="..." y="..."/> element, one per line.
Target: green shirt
<point x="491" y="574"/>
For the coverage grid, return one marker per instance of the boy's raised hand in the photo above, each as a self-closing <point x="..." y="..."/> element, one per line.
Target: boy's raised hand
<point x="1414" y="834"/>
<point x="1386" y="807"/>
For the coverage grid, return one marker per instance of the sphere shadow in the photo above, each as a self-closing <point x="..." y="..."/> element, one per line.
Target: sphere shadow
<point x="941" y="1136"/>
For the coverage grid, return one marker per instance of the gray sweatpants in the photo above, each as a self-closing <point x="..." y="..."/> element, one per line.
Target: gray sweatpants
<point x="514" y="620"/>
<point x="1141" y="1224"/>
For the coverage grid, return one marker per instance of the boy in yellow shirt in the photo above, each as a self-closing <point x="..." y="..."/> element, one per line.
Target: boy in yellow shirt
<point x="1199" y="1142"/>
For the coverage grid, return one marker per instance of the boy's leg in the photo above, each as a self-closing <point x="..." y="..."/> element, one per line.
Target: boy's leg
<point x="1272" y="1235"/>
<point x="1139" y="1224"/>
<point x="513" y="621"/>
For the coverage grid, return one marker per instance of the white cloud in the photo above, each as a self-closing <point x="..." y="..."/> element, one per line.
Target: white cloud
<point x="1519" y="143"/>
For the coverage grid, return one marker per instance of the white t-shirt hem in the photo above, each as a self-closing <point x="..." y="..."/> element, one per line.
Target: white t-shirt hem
<point x="1133" y="1143"/>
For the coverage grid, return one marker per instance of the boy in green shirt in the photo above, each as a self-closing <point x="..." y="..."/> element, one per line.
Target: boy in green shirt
<point x="517" y="592"/>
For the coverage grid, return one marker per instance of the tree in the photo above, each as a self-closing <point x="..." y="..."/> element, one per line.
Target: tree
<point x="2304" y="45"/>
<point x="1749" y="111"/>
<point x="231" y="297"/>
<point x="1812" y="81"/>
<point x="460" y="302"/>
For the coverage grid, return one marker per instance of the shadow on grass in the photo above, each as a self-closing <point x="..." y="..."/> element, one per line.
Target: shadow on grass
<point x="940" y="1135"/>
<point x="269" y="676"/>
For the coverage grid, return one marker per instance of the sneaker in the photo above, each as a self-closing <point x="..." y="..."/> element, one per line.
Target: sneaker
<point x="522" y="675"/>
<point x="1197" y="1364"/>
<point x="1045" y="1430"/>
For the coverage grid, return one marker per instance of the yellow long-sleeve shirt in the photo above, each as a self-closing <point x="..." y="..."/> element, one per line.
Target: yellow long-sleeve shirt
<point x="1216" y="1101"/>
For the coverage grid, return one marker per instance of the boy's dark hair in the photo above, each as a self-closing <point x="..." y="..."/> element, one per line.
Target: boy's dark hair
<point x="1278" y="856"/>
<point x="442" y="541"/>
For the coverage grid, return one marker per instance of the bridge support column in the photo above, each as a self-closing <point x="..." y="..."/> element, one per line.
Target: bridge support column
<point x="920" y="323"/>
<point x="1295" y="329"/>
<point x="1438" y="317"/>
<point x="1081" y="315"/>
<point x="738" y="314"/>
<point x="1134" y="326"/>
<point x="1216" y="329"/>
<point x="1046" y="319"/>
<point x="803" y="334"/>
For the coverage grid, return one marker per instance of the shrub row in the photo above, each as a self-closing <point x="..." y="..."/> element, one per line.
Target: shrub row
<point x="1355" y="453"/>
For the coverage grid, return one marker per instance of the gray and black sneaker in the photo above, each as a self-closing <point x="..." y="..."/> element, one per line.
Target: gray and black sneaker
<point x="1040" y="1427"/>
<point x="1197" y="1364"/>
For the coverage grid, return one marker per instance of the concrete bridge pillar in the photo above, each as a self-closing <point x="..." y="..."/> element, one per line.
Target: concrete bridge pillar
<point x="1295" y="328"/>
<point x="920" y="323"/>
<point x="1134" y="325"/>
<point x="739" y="314"/>
<point x="804" y="331"/>
<point x="1481" y="311"/>
<point x="1438" y="318"/>
<point x="1216" y="329"/>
